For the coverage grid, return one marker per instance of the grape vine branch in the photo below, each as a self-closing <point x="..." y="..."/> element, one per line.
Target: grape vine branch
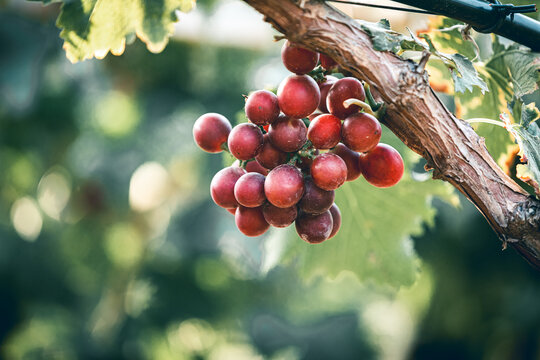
<point x="414" y="113"/>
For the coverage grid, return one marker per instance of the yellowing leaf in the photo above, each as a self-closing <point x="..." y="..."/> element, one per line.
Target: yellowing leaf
<point x="93" y="28"/>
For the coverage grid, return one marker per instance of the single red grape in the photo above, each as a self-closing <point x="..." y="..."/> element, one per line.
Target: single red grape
<point x="298" y="59"/>
<point x="324" y="87"/>
<point x="324" y="131"/>
<point x="315" y="199"/>
<point x="327" y="62"/>
<point x="284" y="186"/>
<point x="253" y="166"/>
<point x="298" y="96"/>
<point x="249" y="190"/>
<point x="279" y="217"/>
<point x="314" y="229"/>
<point x="351" y="159"/>
<point x="222" y="186"/>
<point x="245" y="141"/>
<point x="256" y="167"/>
<point x="343" y="89"/>
<point x="329" y="171"/>
<point x="250" y="221"/>
<point x="210" y="132"/>
<point x="336" y="220"/>
<point x="288" y="134"/>
<point x="262" y="107"/>
<point x="232" y="210"/>
<point x="382" y="166"/>
<point x="361" y="132"/>
<point x="270" y="156"/>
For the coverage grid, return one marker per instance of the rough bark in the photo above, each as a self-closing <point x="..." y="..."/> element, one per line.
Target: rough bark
<point x="416" y="115"/>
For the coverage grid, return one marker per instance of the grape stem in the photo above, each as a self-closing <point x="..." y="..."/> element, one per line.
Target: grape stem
<point x="225" y="147"/>
<point x="365" y="106"/>
<point x="486" y="121"/>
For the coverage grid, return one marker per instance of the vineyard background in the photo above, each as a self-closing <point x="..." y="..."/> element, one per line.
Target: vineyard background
<point x="110" y="246"/>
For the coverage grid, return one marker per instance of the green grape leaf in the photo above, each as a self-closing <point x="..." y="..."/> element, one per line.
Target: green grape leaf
<point x="527" y="134"/>
<point x="93" y="28"/>
<point x="518" y="64"/>
<point x="374" y="240"/>
<point x="462" y="70"/>
<point x="382" y="36"/>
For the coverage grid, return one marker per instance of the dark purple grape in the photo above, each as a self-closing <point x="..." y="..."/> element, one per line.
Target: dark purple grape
<point x="352" y="160"/>
<point x="315" y="199"/>
<point x="279" y="217"/>
<point x="314" y="229"/>
<point x="270" y="156"/>
<point x="336" y="220"/>
<point x="324" y="87"/>
<point x="327" y="62"/>
<point x="210" y="132"/>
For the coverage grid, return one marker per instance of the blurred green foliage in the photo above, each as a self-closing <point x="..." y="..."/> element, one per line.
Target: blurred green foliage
<point x="110" y="246"/>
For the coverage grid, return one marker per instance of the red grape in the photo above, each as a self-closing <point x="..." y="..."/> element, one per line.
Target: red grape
<point x="314" y="229"/>
<point x="298" y="96"/>
<point x="256" y="167"/>
<point x="336" y="220"/>
<point x="361" y="132"/>
<point x="262" y="107"/>
<point x="327" y="62"/>
<point x="324" y="87"/>
<point x="351" y="159"/>
<point x="270" y="156"/>
<point x="232" y="210"/>
<point x="315" y="199"/>
<point x="284" y="186"/>
<point x="329" y="171"/>
<point x="342" y="90"/>
<point x="382" y="166"/>
<point x="250" y="221"/>
<point x="245" y="141"/>
<point x="298" y="59"/>
<point x="279" y="217"/>
<point x="249" y="190"/>
<point x="324" y="131"/>
<point x="222" y="186"/>
<point x="210" y="132"/>
<point x="288" y="134"/>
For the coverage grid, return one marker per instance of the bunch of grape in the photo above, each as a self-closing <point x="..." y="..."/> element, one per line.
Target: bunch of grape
<point x="297" y="149"/>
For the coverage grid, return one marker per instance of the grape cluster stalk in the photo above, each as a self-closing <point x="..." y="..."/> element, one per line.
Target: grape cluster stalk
<point x="298" y="147"/>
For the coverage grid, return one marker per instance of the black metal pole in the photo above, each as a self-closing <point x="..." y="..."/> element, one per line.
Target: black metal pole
<point x="485" y="17"/>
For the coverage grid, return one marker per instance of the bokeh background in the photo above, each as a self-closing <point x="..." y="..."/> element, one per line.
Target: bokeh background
<point x="111" y="247"/>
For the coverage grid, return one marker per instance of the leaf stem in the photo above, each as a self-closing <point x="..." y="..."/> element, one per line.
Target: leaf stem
<point x="486" y="121"/>
<point x="365" y="106"/>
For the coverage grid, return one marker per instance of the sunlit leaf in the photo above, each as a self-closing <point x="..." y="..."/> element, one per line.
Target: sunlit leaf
<point x="93" y="28"/>
<point x="374" y="241"/>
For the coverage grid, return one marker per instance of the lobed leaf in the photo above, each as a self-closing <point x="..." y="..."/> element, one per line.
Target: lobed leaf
<point x="375" y="242"/>
<point x="93" y="28"/>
